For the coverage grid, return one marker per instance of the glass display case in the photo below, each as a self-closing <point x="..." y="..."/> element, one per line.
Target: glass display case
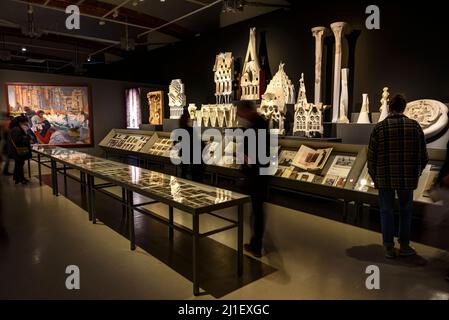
<point x="300" y="161"/>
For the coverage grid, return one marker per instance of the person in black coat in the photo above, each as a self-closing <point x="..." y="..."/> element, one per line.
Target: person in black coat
<point x="255" y="182"/>
<point x="19" y="139"/>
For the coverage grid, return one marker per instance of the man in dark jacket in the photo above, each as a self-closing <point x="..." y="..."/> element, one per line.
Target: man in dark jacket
<point x="256" y="184"/>
<point x="397" y="156"/>
<point x="19" y="140"/>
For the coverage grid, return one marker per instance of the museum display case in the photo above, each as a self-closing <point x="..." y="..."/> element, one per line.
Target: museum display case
<point x="311" y="166"/>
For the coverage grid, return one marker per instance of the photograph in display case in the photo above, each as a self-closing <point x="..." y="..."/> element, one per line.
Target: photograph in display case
<point x="57" y="114"/>
<point x="311" y="159"/>
<point x="339" y="171"/>
<point x="161" y="147"/>
<point x="128" y="142"/>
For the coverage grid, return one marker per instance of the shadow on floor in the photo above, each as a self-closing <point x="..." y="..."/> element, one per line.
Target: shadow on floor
<point x="218" y="263"/>
<point x="375" y="253"/>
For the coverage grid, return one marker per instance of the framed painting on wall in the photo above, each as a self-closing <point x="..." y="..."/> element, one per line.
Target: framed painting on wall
<point x="156" y="107"/>
<point x="58" y="114"/>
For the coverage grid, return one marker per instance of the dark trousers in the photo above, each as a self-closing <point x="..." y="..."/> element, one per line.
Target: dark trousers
<point x="19" y="174"/>
<point x="257" y="190"/>
<point x="386" y="202"/>
<point x="6" y="165"/>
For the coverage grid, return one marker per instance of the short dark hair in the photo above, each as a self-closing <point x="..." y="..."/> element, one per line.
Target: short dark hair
<point x="397" y="104"/>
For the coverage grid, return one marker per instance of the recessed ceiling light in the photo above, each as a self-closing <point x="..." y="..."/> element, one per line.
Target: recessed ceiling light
<point x="24" y="49"/>
<point x="101" y="22"/>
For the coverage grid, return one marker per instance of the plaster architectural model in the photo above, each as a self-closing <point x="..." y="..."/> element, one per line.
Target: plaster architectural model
<point x="223" y="76"/>
<point x="344" y="97"/>
<point x="156" y="107"/>
<point x="338" y="30"/>
<point x="192" y="111"/>
<point x="176" y="99"/>
<point x="250" y="80"/>
<point x="431" y="115"/>
<point x="217" y="115"/>
<point x="384" y="105"/>
<point x="308" y="116"/>
<point x="279" y="93"/>
<point x="364" y="112"/>
<point x="318" y="33"/>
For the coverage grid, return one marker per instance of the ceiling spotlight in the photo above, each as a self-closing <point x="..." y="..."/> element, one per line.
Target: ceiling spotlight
<point x="162" y="0"/>
<point x="101" y="22"/>
<point x="115" y="14"/>
<point x="24" y="49"/>
<point x="89" y="59"/>
<point x="30" y="9"/>
<point x="135" y="3"/>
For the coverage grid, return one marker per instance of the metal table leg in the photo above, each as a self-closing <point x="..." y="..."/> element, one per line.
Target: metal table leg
<point x="124" y="204"/>
<point x="89" y="196"/>
<point x="170" y="218"/>
<point x="29" y="168"/>
<point x="39" y="169"/>
<point x="240" y="241"/>
<point x="195" y="264"/>
<point x="130" y="201"/>
<point x="65" y="179"/>
<point x="83" y="188"/>
<point x="92" y="199"/>
<point x="54" y="176"/>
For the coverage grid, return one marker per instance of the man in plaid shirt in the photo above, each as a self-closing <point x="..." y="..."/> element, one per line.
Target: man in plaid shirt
<point x="397" y="155"/>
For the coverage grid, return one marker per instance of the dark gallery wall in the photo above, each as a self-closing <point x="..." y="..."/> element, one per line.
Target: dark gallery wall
<point x="108" y="97"/>
<point x="409" y="54"/>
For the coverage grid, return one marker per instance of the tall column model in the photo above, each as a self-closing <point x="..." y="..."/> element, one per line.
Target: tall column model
<point x="364" y="112"/>
<point x="344" y="97"/>
<point x="337" y="29"/>
<point x="318" y="33"/>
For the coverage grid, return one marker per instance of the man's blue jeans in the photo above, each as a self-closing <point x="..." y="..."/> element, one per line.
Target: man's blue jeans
<point x="386" y="202"/>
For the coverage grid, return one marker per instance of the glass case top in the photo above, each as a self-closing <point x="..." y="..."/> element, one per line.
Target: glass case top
<point x="183" y="191"/>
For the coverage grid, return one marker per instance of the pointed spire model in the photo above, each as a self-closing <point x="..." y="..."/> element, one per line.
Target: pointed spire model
<point x="384" y="104"/>
<point x="250" y="80"/>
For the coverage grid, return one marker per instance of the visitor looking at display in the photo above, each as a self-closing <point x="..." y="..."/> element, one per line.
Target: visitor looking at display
<point x="397" y="155"/>
<point x="19" y="147"/>
<point x="5" y="122"/>
<point x="256" y="183"/>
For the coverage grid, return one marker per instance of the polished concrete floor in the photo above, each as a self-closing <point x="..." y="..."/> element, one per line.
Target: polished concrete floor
<point x="313" y="258"/>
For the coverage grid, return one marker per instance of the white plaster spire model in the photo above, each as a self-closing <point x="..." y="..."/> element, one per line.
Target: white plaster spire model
<point x="223" y="77"/>
<point x="318" y="33"/>
<point x="344" y="97"/>
<point x="279" y="93"/>
<point x="250" y="80"/>
<point x="176" y="99"/>
<point x="364" y="112"/>
<point x="384" y="104"/>
<point x="302" y="98"/>
<point x="308" y="116"/>
<point x="338" y="30"/>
